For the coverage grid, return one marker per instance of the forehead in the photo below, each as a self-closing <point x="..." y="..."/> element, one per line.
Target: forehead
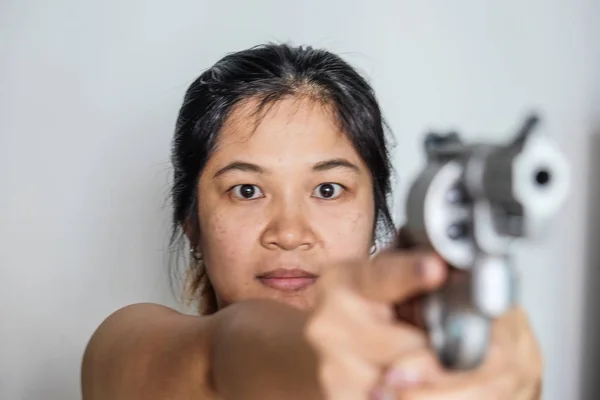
<point x="286" y="128"/>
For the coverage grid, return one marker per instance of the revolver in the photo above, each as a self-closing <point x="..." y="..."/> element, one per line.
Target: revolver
<point x="468" y="204"/>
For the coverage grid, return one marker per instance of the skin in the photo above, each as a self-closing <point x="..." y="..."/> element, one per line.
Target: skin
<point x="334" y="339"/>
<point x="287" y="223"/>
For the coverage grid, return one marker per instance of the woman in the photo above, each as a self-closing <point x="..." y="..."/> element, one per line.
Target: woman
<point x="281" y="181"/>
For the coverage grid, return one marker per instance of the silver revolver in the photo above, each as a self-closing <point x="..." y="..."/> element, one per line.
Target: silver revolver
<point x="468" y="204"/>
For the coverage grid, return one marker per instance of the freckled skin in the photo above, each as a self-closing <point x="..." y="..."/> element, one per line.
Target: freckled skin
<point x="289" y="224"/>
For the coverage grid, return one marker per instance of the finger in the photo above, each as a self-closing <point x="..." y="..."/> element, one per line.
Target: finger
<point x="412" y="310"/>
<point x="515" y="347"/>
<point x="345" y="324"/>
<point x="500" y="386"/>
<point x="396" y="276"/>
<point x="513" y="328"/>
<point x="343" y="376"/>
<point x="503" y="373"/>
<point x="418" y="368"/>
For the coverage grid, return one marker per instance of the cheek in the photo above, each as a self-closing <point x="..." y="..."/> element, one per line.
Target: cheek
<point x="228" y="245"/>
<point x="347" y="232"/>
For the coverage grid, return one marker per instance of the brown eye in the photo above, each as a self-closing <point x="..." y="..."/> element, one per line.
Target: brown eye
<point x="247" y="192"/>
<point x="328" y="191"/>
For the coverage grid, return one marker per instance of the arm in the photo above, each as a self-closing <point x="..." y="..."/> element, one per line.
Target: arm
<point x="260" y="352"/>
<point x="249" y="350"/>
<point x="146" y="351"/>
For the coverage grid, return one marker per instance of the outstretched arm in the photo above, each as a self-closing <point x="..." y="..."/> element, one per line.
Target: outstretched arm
<point x="250" y="350"/>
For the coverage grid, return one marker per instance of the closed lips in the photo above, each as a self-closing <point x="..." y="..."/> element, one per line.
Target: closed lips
<point x="287" y="279"/>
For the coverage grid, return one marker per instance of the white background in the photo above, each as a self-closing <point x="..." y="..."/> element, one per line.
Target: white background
<point x="89" y="93"/>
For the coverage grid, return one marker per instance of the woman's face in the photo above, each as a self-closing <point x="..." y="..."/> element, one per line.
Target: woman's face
<point x="281" y="202"/>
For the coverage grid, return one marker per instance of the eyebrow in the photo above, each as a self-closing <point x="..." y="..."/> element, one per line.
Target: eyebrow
<point x="326" y="165"/>
<point x="239" y="166"/>
<point x="335" y="163"/>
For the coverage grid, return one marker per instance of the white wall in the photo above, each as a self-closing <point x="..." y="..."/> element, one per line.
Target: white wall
<point x="88" y="97"/>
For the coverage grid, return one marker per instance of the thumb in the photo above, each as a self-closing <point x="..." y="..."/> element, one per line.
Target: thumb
<point x="396" y="276"/>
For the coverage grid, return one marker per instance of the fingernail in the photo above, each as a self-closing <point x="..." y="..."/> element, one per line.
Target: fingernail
<point x="382" y="394"/>
<point x="429" y="268"/>
<point x="402" y="378"/>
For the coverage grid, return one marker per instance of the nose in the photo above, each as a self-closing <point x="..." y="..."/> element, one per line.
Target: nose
<point x="289" y="228"/>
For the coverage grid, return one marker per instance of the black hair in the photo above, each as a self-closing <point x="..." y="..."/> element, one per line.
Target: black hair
<point x="270" y="73"/>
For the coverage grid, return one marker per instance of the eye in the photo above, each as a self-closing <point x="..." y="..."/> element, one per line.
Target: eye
<point x="247" y="192"/>
<point x="328" y="191"/>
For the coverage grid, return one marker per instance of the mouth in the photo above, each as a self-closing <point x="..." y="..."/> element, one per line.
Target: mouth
<point x="287" y="280"/>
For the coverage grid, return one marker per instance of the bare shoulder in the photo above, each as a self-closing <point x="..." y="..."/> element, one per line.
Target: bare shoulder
<point x="147" y="351"/>
<point x="138" y="316"/>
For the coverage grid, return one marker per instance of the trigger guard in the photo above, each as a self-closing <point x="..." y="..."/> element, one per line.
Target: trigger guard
<point x="460" y="337"/>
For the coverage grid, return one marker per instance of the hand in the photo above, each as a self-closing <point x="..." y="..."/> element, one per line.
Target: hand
<point x="512" y="369"/>
<point x="353" y="327"/>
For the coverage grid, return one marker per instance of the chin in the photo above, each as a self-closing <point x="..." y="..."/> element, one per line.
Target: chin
<point x="300" y="300"/>
<point x="301" y="304"/>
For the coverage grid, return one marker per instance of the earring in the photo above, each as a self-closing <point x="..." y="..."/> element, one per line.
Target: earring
<point x="373" y="249"/>
<point x="196" y="255"/>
